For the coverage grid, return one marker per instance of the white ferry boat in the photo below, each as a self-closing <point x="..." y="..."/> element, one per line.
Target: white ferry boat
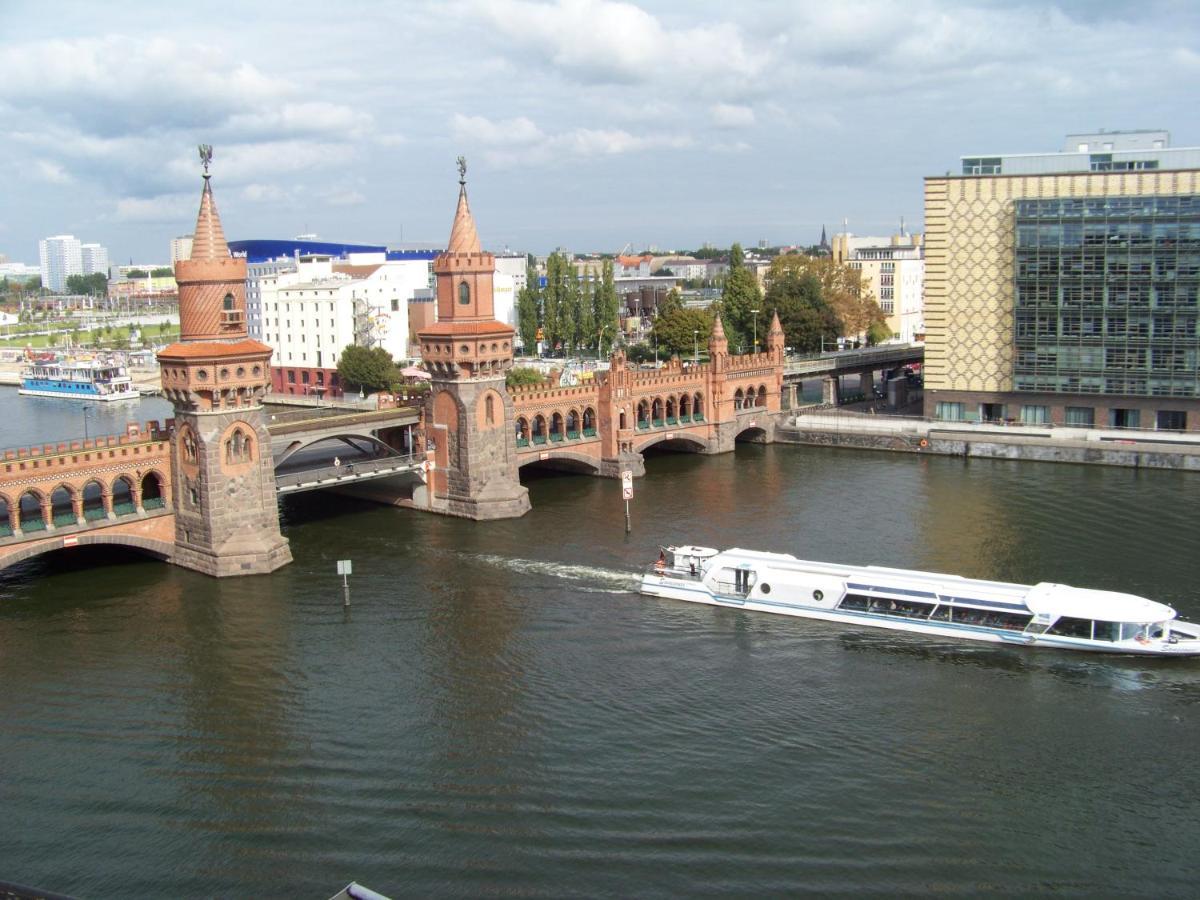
<point x="948" y="606"/>
<point x="79" y="380"/>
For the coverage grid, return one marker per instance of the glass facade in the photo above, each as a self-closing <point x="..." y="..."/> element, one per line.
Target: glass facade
<point x="1107" y="296"/>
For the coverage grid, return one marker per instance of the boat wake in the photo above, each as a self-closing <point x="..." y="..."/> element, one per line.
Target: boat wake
<point x="592" y="579"/>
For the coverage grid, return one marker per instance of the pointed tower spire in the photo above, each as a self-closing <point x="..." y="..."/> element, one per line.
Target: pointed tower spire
<point x="775" y="337"/>
<point x="208" y="242"/>
<point x="463" y="236"/>
<point x="718" y="345"/>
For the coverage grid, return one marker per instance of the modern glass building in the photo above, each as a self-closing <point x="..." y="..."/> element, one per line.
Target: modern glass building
<point x="1107" y="293"/>
<point x="1066" y="297"/>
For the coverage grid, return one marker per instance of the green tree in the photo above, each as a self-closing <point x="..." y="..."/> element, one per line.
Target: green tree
<point x="809" y="323"/>
<point x="529" y="302"/>
<point x="841" y="289"/>
<point x="681" y="331"/>
<point x="552" y="302"/>
<point x="96" y="283"/>
<point x="607" y="316"/>
<point x="162" y="272"/>
<point x="588" y="331"/>
<point x="570" y="308"/>
<point x="136" y="273"/>
<point x="670" y="303"/>
<point x="523" y="375"/>
<point x="741" y="295"/>
<point x="371" y="369"/>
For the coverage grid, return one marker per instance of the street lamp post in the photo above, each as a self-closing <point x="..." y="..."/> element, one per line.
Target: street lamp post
<point x="755" y="312"/>
<point x="86" y="409"/>
<point x="695" y="346"/>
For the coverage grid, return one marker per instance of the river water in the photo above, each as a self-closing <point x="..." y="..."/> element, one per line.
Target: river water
<point x="500" y="713"/>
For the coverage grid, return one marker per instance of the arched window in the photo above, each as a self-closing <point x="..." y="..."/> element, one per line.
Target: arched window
<point x="573" y="424"/>
<point x="93" y="501"/>
<point x="238" y="447"/>
<point x="656" y="411"/>
<point x="643" y="415"/>
<point x="539" y="429"/>
<point x="738" y="398"/>
<point x="762" y="395"/>
<point x="622" y="423"/>
<point x="489" y="409"/>
<point x="589" y="422"/>
<point x="5" y="517"/>
<point x="670" y="410"/>
<point x="152" y="495"/>
<point x="685" y="407"/>
<point x="62" y="507"/>
<point x="698" y="407"/>
<point x="31" y="512"/>
<point x="556" y="427"/>
<point x="227" y="304"/>
<point x="464" y="293"/>
<point x="522" y="432"/>
<point x="188" y="441"/>
<point x="122" y="497"/>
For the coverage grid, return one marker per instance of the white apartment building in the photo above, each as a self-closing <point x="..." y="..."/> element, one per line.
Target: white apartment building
<point x="893" y="269"/>
<point x="61" y="257"/>
<point x="309" y="309"/>
<point x="94" y="259"/>
<point x="181" y="248"/>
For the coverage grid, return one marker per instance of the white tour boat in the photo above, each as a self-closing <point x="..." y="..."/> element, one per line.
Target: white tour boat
<point x="78" y="380"/>
<point x="950" y="606"/>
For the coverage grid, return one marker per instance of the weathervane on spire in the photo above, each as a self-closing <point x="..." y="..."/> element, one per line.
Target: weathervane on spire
<point x="205" y="157"/>
<point x="462" y="170"/>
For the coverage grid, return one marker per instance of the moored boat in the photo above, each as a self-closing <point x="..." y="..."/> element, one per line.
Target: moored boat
<point x="949" y="606"/>
<point x="78" y="380"/>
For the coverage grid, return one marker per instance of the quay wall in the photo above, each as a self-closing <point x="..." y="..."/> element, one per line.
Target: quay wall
<point x="1132" y="455"/>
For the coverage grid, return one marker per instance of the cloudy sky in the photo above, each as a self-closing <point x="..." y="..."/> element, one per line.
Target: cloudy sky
<point x="587" y="124"/>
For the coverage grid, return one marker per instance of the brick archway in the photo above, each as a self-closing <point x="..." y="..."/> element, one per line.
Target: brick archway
<point x="160" y="549"/>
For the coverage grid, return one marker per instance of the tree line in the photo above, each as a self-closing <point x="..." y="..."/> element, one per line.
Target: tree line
<point x="818" y="301"/>
<point x="571" y="313"/>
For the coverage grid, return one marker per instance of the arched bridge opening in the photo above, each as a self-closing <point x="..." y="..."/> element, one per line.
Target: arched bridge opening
<point x="752" y="435"/>
<point x="300" y="454"/>
<point x="559" y="463"/>
<point x="676" y="444"/>
<point x="87" y="550"/>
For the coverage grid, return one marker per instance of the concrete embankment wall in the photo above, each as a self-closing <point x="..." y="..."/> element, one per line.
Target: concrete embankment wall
<point x="931" y="440"/>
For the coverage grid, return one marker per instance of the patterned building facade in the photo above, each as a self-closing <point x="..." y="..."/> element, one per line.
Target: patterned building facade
<point x="1067" y="298"/>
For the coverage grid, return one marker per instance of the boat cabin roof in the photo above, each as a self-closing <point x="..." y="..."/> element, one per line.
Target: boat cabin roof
<point x="699" y="552"/>
<point x="1104" y="606"/>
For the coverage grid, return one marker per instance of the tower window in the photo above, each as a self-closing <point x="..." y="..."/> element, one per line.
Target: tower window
<point x="464" y="293"/>
<point x="228" y="302"/>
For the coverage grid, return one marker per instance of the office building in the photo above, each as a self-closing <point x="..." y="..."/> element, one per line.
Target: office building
<point x="1065" y="288"/>
<point x="893" y="270"/>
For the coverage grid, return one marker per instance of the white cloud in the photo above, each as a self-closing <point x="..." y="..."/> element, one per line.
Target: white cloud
<point x="52" y="172"/>
<point x="521" y="142"/>
<point x="727" y="115"/>
<point x="608" y="41"/>
<point x="163" y="209"/>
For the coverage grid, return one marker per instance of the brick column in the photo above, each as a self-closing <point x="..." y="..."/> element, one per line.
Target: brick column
<point x="48" y="513"/>
<point x="106" y="498"/>
<point x="77" y="507"/>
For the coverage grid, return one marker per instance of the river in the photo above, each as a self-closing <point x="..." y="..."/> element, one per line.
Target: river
<point x="501" y="714"/>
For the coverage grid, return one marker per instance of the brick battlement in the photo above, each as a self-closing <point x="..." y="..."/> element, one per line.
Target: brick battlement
<point x="545" y="392"/>
<point x="136" y="434"/>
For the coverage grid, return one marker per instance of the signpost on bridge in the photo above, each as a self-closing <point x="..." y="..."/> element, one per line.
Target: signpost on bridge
<point x="627" y="495"/>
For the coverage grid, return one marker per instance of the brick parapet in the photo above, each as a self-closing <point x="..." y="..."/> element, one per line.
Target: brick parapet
<point x="152" y="433"/>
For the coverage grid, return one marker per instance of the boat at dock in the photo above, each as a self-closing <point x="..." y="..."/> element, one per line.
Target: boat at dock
<point x="88" y="379"/>
<point x="946" y="606"/>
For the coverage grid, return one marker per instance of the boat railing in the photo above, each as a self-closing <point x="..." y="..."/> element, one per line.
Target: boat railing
<point x="687" y="573"/>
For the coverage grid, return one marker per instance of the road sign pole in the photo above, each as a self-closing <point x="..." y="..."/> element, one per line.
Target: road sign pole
<point x="345" y="569"/>
<point x="627" y="494"/>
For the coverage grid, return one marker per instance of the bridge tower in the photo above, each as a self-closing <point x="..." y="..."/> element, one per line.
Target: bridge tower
<point x="226" y="511"/>
<point x="469" y="414"/>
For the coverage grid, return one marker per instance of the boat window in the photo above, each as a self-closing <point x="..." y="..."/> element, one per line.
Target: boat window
<point x="855" y="602"/>
<point x="940" y="613"/>
<point x="1071" y="627"/>
<point x="903" y="609"/>
<point x="1106" y="631"/>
